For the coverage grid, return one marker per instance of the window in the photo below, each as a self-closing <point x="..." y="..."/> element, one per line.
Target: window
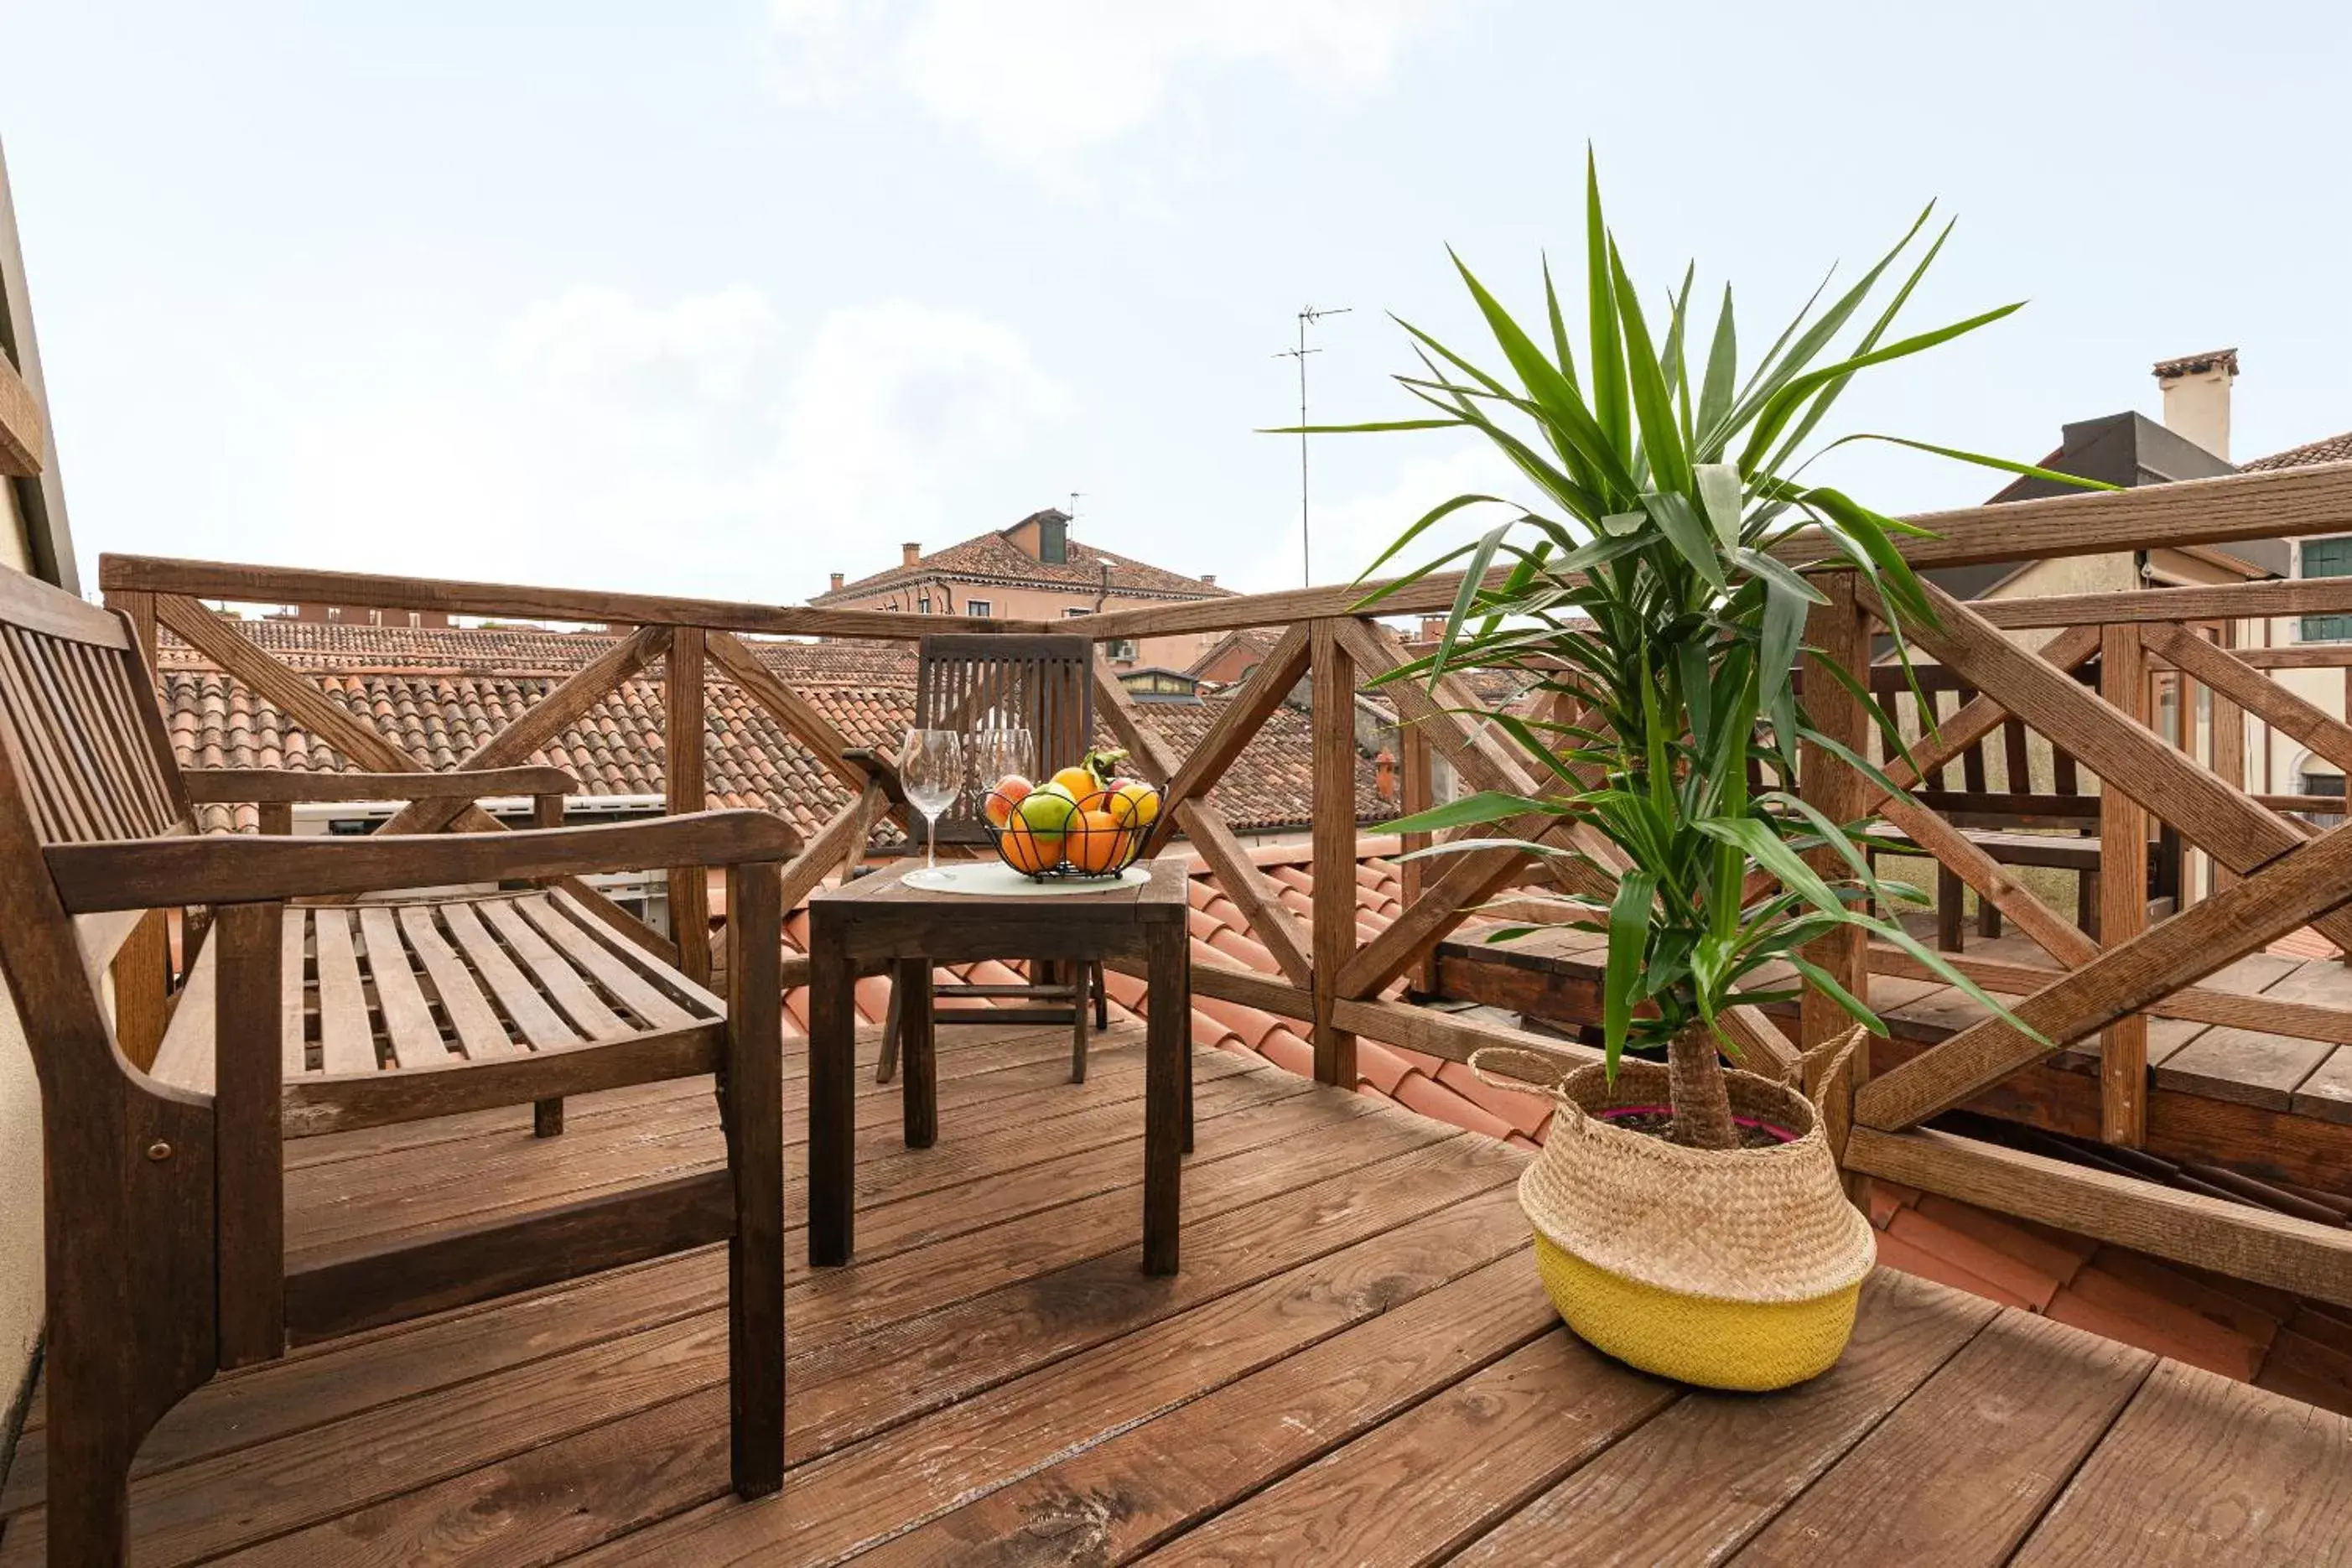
<point x="979" y="608"/>
<point x="2326" y="558"/>
<point x="923" y="606"/>
<point x="2321" y="784"/>
<point x="1120" y="650"/>
<point x="1068" y="614"/>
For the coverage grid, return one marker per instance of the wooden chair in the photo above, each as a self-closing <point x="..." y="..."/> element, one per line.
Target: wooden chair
<point x="164" y="1193"/>
<point x="1044" y="684"/>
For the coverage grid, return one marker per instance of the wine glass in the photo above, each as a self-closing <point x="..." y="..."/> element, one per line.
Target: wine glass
<point x="931" y="767"/>
<point x="999" y="752"/>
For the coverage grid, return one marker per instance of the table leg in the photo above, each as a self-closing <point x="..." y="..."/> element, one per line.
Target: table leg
<point x="1165" y="1071"/>
<point x="831" y="1094"/>
<point x="919" y="1042"/>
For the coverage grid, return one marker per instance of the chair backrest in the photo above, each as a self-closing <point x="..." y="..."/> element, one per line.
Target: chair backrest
<point x="1040" y="683"/>
<point x="83" y="757"/>
<point x="77" y="717"/>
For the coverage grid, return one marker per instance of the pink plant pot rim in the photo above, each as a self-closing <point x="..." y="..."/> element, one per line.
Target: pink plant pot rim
<point x="1616" y="1112"/>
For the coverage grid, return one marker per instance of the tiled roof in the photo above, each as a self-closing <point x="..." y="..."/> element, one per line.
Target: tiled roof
<point x="994" y="558"/>
<point x="2250" y="1332"/>
<point x="439" y="695"/>
<point x="1257" y="640"/>
<point x="2329" y="450"/>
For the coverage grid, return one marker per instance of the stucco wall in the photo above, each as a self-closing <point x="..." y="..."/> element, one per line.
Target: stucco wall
<point x="20" y="1151"/>
<point x="1176" y="652"/>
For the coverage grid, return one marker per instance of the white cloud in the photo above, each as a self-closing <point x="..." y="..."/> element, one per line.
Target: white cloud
<point x="696" y="445"/>
<point x="1352" y="530"/>
<point x="1039" y="82"/>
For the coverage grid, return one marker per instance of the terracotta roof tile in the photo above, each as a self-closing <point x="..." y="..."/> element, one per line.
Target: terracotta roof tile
<point x="1897" y="1252"/>
<point x="993" y="557"/>
<point x="2014" y="1274"/>
<point x="2137" y="1324"/>
<point x="440" y="694"/>
<point x="2328" y="449"/>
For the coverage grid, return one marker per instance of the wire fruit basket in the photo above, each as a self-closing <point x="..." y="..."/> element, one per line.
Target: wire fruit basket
<point x="1083" y="823"/>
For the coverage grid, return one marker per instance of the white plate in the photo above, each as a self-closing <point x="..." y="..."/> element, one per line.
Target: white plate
<point x="995" y="879"/>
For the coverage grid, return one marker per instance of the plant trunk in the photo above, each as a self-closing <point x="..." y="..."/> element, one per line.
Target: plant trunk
<point x="1702" y="1100"/>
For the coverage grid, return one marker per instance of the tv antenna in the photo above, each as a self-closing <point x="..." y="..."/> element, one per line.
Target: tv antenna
<point x="1307" y="316"/>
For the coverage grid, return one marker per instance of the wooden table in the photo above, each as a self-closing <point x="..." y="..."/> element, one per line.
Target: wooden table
<point x="876" y="924"/>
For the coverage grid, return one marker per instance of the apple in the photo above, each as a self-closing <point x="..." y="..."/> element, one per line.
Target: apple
<point x="1003" y="796"/>
<point x="1046" y="814"/>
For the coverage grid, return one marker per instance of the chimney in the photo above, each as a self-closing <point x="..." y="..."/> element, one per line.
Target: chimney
<point x="1431" y="627"/>
<point x="836" y="583"/>
<point x="2197" y="397"/>
<point x="1208" y="579"/>
<point x="1384" y="775"/>
<point x="909" y="553"/>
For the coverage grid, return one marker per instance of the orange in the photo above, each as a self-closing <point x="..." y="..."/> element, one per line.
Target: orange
<point x="1080" y="782"/>
<point x="1028" y="852"/>
<point x="1096" y="842"/>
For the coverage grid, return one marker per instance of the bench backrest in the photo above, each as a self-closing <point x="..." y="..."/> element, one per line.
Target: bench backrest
<point x="83" y="757"/>
<point x="79" y="719"/>
<point x="1040" y="683"/>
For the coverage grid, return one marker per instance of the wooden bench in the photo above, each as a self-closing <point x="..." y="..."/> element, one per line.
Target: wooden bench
<point x="302" y="1013"/>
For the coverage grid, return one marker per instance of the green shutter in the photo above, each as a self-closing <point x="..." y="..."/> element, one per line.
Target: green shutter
<point x="2328" y="558"/>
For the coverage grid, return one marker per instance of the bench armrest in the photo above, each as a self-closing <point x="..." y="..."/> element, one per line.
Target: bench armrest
<point x="236" y="786"/>
<point x="223" y="869"/>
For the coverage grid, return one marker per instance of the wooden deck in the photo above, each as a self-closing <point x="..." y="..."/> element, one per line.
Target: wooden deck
<point x="2262" y="1102"/>
<point x="1355" y="1365"/>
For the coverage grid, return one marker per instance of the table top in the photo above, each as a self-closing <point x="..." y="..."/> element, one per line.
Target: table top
<point x="1163" y="897"/>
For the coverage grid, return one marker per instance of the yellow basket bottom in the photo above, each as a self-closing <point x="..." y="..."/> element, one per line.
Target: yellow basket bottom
<point x="1747" y="1346"/>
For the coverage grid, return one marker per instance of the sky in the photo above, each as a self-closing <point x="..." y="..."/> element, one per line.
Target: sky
<point x="716" y="299"/>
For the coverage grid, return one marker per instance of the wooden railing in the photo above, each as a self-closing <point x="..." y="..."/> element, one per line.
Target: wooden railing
<point x="2111" y="967"/>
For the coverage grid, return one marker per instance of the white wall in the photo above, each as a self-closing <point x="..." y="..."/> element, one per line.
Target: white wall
<point x="20" y="1149"/>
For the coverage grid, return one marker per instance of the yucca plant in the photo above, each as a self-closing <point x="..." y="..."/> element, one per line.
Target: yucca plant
<point x="1657" y="589"/>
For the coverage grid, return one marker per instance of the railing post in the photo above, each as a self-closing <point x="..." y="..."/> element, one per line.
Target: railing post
<point x="682" y="784"/>
<point x="1840" y="631"/>
<point x="2229" y="745"/>
<point x="2122" y="894"/>
<point x="1416" y="789"/>
<point x="1334" y="800"/>
<point x="142" y="964"/>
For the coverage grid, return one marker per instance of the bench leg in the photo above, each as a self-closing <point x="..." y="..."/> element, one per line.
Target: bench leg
<point x="1080" y="975"/>
<point x="546" y="1118"/>
<point x="754" y="1071"/>
<point x="1951" y="899"/>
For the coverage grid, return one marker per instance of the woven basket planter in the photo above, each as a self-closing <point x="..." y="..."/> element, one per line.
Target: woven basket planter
<point x="1733" y="1268"/>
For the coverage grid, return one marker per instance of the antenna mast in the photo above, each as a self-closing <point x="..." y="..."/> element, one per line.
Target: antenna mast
<point x="1307" y="316"/>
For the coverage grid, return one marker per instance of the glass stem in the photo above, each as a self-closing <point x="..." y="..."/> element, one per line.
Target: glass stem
<point x="931" y="860"/>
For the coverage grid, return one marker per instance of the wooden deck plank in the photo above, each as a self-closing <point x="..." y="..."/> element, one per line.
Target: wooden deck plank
<point x="1420" y="1486"/>
<point x="1121" y="1497"/>
<point x="2248" y="1066"/>
<point x="967" y="1301"/>
<point x="2327" y="1092"/>
<point x="345" y="1206"/>
<point x="833" y="1505"/>
<point x="1966" y="1466"/>
<point x="1357" y="1362"/>
<point x="908" y="1206"/>
<point x="1707" y="1474"/>
<point x="2200" y="1471"/>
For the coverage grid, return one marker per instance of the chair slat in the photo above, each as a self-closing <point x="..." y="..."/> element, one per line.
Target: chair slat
<point x="698" y="1002"/>
<point x="571" y="994"/>
<point x="293" y="962"/>
<point x="77" y="728"/>
<point x="346" y="1040"/>
<point x="621" y="981"/>
<point x="516" y="994"/>
<point x="415" y="1039"/>
<point x="479" y="1032"/>
<point x="58" y="807"/>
